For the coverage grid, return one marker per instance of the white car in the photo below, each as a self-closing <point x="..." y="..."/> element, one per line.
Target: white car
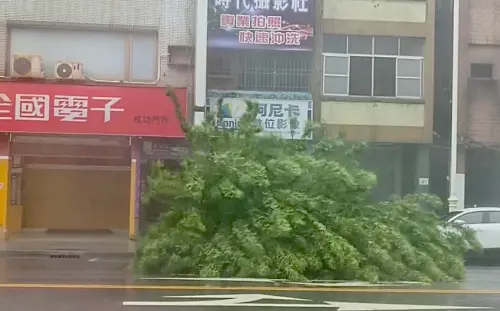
<point x="485" y="221"/>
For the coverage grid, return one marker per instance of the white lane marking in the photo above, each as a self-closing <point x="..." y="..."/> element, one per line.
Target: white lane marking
<point x="237" y="300"/>
<point x="251" y="300"/>
<point x="93" y="259"/>
<point x="355" y="306"/>
<point x="218" y="304"/>
<point x="253" y="296"/>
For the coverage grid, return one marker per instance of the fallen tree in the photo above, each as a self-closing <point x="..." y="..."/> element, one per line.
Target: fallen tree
<point x="250" y="205"/>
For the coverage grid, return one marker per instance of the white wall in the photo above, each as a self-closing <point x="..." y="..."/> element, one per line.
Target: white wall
<point x="412" y="11"/>
<point x="172" y="20"/>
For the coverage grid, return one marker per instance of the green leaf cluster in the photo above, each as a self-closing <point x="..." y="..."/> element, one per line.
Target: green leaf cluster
<point x="252" y="205"/>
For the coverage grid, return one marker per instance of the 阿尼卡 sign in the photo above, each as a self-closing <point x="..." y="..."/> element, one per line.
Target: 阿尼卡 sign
<point x="280" y="113"/>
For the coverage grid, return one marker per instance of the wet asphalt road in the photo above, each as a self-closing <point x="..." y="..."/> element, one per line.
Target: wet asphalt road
<point x="87" y="284"/>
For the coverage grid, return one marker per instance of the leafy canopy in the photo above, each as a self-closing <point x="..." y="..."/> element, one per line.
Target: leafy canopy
<point x="251" y="205"/>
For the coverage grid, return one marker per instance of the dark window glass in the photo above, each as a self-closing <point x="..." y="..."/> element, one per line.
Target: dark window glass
<point x="450" y="216"/>
<point x="481" y="71"/>
<point x="360" y="45"/>
<point x="386" y="45"/>
<point x="335" y="44"/>
<point x="411" y="46"/>
<point x="360" y="76"/>
<point x="494" y="217"/>
<point x="384" y="77"/>
<point x="472" y="218"/>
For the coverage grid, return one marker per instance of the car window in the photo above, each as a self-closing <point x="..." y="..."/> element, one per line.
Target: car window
<point x="449" y="216"/>
<point x="494" y="217"/>
<point x="471" y="218"/>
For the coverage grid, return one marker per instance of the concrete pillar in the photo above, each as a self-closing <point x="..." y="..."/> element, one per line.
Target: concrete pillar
<point x="422" y="169"/>
<point x="135" y="175"/>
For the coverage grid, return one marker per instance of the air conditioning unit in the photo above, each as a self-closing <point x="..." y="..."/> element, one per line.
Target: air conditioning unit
<point x="26" y="66"/>
<point x="69" y="71"/>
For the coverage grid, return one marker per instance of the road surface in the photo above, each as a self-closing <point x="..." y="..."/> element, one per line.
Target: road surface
<point x="108" y="284"/>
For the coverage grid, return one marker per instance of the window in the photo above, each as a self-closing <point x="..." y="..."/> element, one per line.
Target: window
<point x="372" y="66"/>
<point x="494" y="217"/>
<point x="360" y="76"/>
<point x="481" y="71"/>
<point x="275" y="71"/>
<point x="471" y="218"/>
<point x="449" y="216"/>
<point x="108" y="55"/>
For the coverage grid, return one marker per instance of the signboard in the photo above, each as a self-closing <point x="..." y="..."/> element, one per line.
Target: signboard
<point x="287" y="118"/>
<point x="80" y="109"/>
<point x="165" y="149"/>
<point x="423" y="181"/>
<point x="258" y="24"/>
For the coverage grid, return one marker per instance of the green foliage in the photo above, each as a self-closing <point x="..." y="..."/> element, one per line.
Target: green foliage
<point x="250" y="205"/>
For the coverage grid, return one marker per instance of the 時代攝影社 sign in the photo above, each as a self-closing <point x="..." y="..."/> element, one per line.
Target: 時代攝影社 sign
<point x="261" y="24"/>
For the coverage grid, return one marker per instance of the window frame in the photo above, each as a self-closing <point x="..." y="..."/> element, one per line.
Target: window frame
<point x="129" y="46"/>
<point x="372" y="55"/>
<point x="346" y="76"/>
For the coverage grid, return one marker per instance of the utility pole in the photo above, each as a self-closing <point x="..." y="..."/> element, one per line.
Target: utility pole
<point x="453" y="199"/>
<point x="200" y="69"/>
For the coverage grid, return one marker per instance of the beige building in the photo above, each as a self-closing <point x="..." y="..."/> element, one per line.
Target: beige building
<point x="376" y="60"/>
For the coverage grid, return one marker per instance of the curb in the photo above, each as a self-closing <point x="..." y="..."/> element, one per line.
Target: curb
<point x="279" y="282"/>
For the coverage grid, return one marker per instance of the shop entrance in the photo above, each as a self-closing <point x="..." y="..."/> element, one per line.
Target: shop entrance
<point x="69" y="184"/>
<point x="67" y="197"/>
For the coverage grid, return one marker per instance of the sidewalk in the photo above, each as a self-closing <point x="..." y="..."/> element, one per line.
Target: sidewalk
<point x="79" y="245"/>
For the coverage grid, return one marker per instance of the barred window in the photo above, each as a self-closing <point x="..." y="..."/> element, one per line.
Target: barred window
<point x="218" y="65"/>
<point x="275" y="71"/>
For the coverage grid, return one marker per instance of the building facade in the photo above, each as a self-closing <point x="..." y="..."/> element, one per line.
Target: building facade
<point x="479" y="72"/>
<point x="374" y="63"/>
<point x="81" y="102"/>
<point x="261" y="51"/>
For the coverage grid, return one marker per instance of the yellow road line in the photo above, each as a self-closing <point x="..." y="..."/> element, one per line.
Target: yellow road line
<point x="253" y="289"/>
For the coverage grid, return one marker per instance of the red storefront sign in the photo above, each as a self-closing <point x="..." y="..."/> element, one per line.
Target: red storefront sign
<point x="83" y="109"/>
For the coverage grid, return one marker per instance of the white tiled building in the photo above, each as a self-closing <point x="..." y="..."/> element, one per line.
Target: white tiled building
<point x="114" y="39"/>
